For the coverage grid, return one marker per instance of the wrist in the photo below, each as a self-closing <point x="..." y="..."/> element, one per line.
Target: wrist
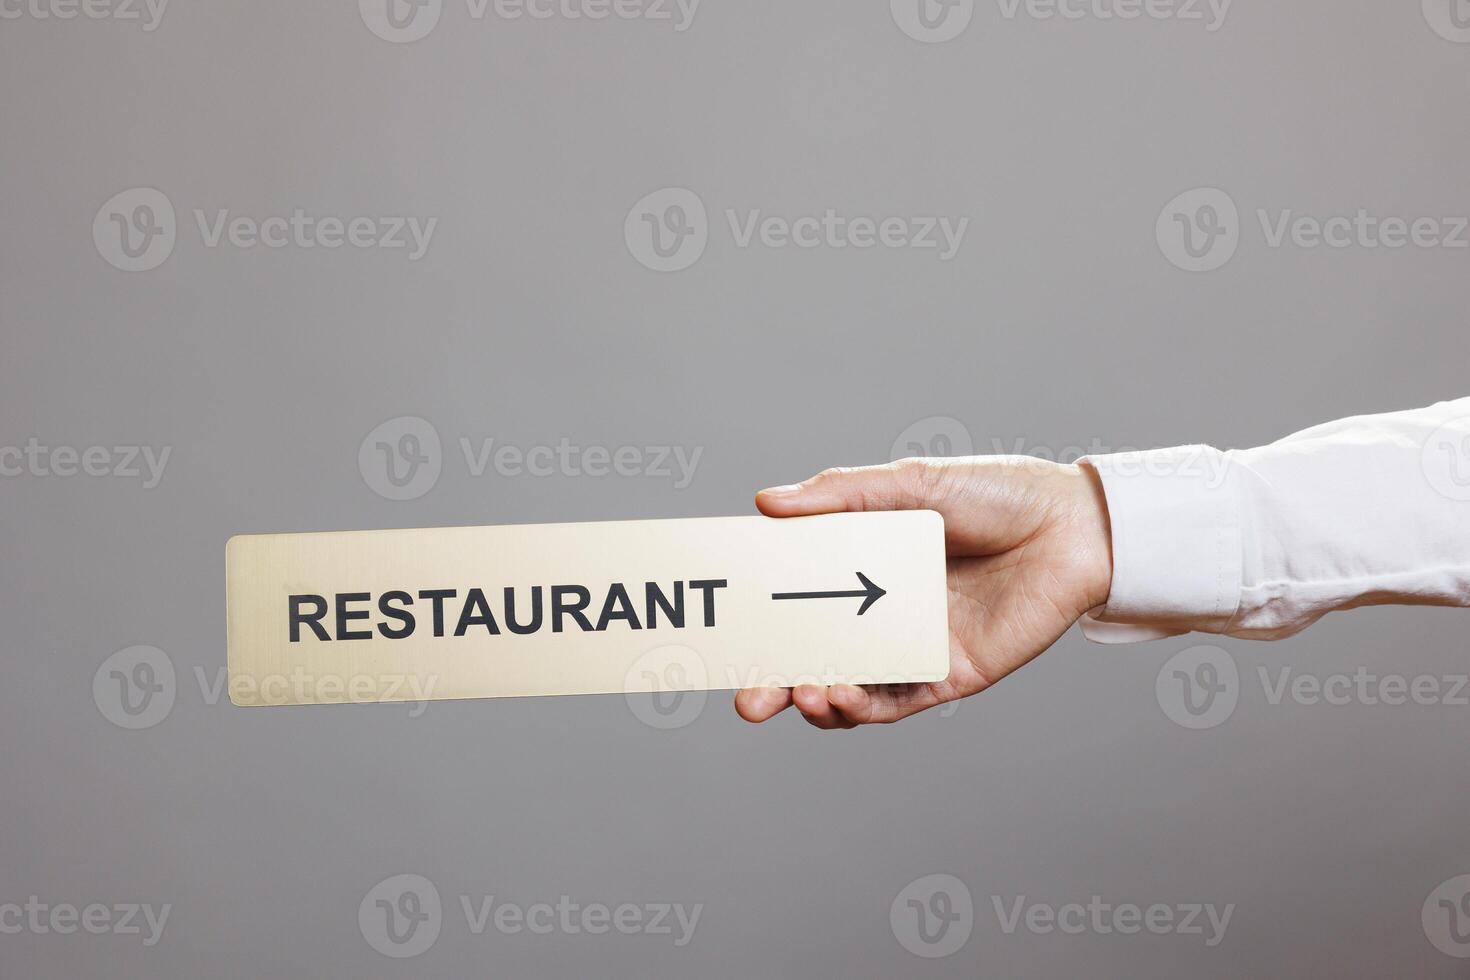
<point x="1090" y="531"/>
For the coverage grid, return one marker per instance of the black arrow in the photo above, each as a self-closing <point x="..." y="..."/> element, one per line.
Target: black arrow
<point x="870" y="591"/>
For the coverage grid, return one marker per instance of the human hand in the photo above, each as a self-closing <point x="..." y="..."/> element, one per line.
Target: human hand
<point x="1029" y="551"/>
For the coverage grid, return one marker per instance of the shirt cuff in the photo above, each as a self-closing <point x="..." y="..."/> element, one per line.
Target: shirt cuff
<point x="1177" y="544"/>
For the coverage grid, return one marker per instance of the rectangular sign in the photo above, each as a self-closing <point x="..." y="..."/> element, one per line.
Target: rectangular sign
<point x="625" y="607"/>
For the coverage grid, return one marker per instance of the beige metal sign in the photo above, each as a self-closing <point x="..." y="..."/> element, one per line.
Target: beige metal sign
<point x="634" y="606"/>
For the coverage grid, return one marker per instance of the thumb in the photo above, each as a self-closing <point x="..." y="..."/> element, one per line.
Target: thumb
<point x="905" y="485"/>
<point x="987" y="505"/>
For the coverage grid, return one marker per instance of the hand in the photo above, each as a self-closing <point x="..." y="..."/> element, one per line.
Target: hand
<point x="1029" y="552"/>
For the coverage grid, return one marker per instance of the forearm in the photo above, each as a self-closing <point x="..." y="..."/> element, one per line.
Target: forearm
<point x="1262" y="542"/>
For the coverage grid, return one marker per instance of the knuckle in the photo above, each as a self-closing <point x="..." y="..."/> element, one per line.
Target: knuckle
<point x="832" y="473"/>
<point x="922" y="480"/>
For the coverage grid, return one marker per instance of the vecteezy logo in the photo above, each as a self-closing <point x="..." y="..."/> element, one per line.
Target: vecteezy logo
<point x="933" y="916"/>
<point x="400" y="21"/>
<point x="1445" y="459"/>
<point x="667" y="231"/>
<point x="134" y="688"/>
<point x="1199" y="230"/>
<point x="932" y="21"/>
<point x="401" y="916"/>
<point x="1199" y="687"/>
<point x="1450" y="19"/>
<point x="676" y="676"/>
<point x="401" y="459"/>
<point x="938" y="435"/>
<point x="1446" y="917"/>
<point x="136" y="229"/>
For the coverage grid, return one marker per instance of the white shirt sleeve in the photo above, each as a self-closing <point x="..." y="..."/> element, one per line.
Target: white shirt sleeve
<point x="1261" y="543"/>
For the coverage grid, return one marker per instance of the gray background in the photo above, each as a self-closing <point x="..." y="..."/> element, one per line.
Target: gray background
<point x="1059" y="323"/>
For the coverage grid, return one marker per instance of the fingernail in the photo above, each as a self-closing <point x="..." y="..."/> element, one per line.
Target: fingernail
<point x="782" y="491"/>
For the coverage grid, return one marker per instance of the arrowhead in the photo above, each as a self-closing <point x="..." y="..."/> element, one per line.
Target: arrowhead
<point x="874" y="593"/>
